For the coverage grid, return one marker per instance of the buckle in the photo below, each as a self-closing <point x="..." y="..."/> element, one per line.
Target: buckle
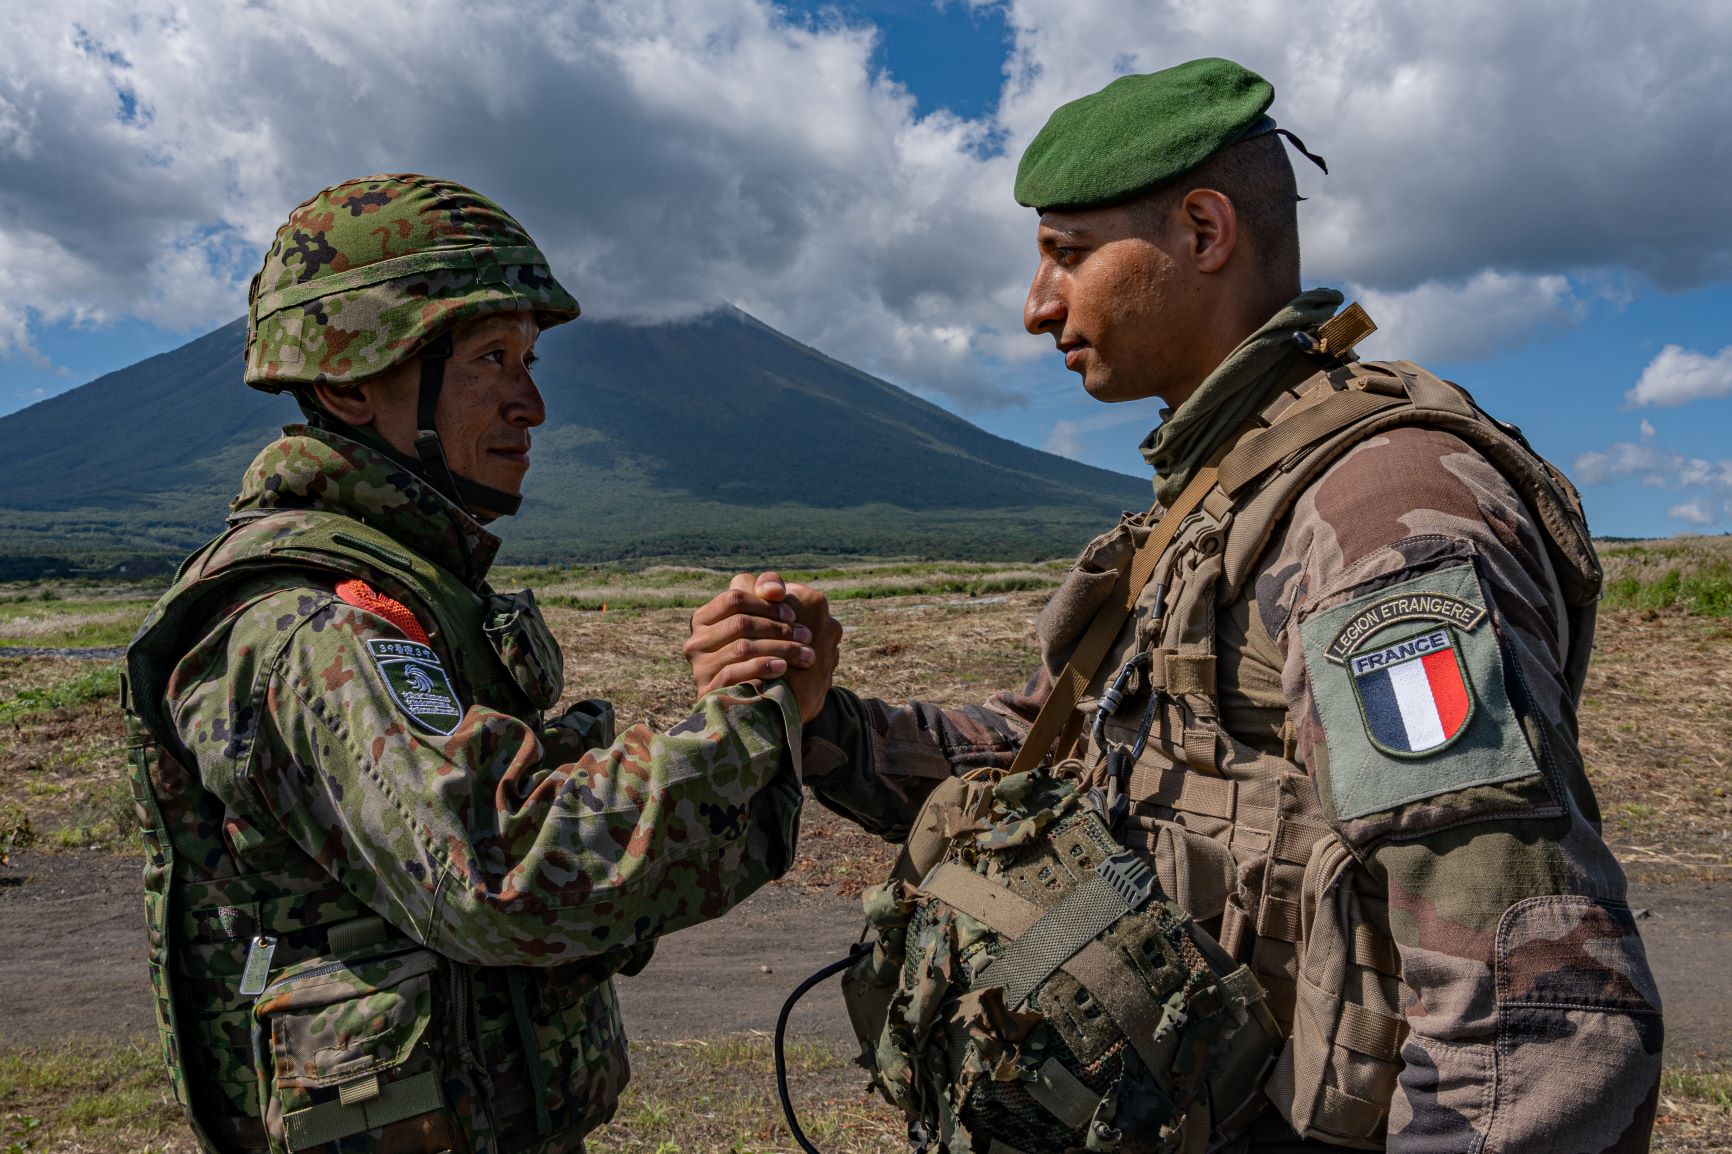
<point x="1129" y="876"/>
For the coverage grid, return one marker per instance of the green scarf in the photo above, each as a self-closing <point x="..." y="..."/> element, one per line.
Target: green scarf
<point x="1230" y="394"/>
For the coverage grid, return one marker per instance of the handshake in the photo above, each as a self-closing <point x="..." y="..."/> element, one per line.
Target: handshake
<point x="764" y="628"/>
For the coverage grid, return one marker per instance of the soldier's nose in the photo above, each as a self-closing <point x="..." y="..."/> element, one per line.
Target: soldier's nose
<point x="1044" y="310"/>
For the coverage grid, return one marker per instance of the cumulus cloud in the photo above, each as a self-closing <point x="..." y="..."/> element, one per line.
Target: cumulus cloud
<point x="1678" y="375"/>
<point x="668" y="155"/>
<point x="673" y="153"/>
<point x="1654" y="466"/>
<point x="1483" y="315"/>
<point x="1695" y="512"/>
<point x="1486" y="135"/>
<point x="1065" y="439"/>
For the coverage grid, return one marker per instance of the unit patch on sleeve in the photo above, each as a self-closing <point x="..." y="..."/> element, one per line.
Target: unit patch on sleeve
<point x="1409" y="683"/>
<point x="418" y="683"/>
<point x="1414" y="693"/>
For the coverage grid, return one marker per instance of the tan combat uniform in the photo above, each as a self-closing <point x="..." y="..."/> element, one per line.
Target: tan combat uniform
<point x="1346" y="737"/>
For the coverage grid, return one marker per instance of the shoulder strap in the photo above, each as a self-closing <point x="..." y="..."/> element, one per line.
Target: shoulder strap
<point x="1092" y="649"/>
<point x="1373" y="397"/>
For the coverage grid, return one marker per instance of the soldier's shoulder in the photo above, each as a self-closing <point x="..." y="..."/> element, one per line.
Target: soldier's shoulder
<point x="1410" y="481"/>
<point x="276" y="603"/>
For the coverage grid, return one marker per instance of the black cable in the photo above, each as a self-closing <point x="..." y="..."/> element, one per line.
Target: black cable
<point x="800" y="991"/>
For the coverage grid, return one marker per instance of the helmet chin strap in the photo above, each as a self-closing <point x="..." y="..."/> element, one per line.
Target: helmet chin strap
<point x="471" y="495"/>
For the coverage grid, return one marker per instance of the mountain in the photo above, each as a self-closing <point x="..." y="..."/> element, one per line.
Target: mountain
<point x="712" y="439"/>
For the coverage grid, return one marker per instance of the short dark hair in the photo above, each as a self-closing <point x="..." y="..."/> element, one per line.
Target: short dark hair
<point x="1257" y="176"/>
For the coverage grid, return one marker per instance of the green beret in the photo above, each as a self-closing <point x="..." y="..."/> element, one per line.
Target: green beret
<point x="1141" y="130"/>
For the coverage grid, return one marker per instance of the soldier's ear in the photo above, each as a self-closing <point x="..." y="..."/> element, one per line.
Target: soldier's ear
<point x="351" y="404"/>
<point x="1211" y="228"/>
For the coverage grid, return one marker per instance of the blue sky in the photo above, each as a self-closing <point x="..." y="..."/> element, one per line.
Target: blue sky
<point x="1532" y="208"/>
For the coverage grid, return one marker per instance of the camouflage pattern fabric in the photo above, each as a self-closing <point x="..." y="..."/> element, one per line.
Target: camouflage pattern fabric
<point x="977" y="1067"/>
<point x="365" y="271"/>
<point x="498" y="872"/>
<point x="1531" y="1019"/>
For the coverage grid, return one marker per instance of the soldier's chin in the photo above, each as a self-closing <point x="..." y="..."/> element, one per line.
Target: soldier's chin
<point x="1111" y="388"/>
<point x="503" y="471"/>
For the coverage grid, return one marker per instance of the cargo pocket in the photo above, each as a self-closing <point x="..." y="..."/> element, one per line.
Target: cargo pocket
<point x="1578" y="1026"/>
<point x="345" y="1057"/>
<point x="1338" y="1070"/>
<point x="555" y="1051"/>
<point x="520" y="637"/>
<point x="1195" y="871"/>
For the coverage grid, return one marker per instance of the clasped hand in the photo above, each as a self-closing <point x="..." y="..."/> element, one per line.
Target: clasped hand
<point x="764" y="628"/>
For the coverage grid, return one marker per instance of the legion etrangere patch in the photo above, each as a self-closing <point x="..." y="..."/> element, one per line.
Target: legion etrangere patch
<point x="1409" y="684"/>
<point x="418" y="683"/>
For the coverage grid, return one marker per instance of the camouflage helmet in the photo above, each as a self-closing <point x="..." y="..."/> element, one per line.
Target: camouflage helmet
<point x="365" y="272"/>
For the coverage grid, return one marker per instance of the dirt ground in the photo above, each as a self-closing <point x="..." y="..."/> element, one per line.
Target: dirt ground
<point x="72" y="959"/>
<point x="71" y="933"/>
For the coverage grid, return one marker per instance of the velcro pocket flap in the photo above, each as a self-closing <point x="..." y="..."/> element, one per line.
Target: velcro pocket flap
<point x="1197" y="872"/>
<point x="334" y="1022"/>
<point x="526" y="647"/>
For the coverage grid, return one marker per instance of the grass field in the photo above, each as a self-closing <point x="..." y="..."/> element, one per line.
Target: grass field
<point x="1656" y="746"/>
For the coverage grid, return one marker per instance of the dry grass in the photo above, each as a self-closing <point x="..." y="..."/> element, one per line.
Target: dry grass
<point x="717" y="1094"/>
<point x="703" y="1096"/>
<point x="1656" y="732"/>
<point x="1693" y="574"/>
<point x="1657" y="737"/>
<point x="1695" y="1110"/>
<point x="88" y="1097"/>
<point x="62" y="752"/>
<point x="48" y="615"/>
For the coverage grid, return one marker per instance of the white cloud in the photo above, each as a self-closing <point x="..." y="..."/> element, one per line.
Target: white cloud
<point x="1065" y="440"/>
<point x="1487" y="135"/>
<point x="669" y="156"/>
<point x="1646" y="462"/>
<point x="1486" y="157"/>
<point x="1678" y="375"/>
<point x="1485" y="314"/>
<point x="1696" y="512"/>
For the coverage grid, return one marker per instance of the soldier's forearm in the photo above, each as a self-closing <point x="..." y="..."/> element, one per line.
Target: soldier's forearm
<point x="875" y="763"/>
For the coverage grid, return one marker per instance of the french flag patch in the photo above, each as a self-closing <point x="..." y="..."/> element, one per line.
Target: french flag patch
<point x="1414" y="693"/>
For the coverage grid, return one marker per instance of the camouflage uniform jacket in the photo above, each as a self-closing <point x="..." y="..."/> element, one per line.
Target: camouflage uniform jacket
<point x="1430" y="903"/>
<point x="434" y="879"/>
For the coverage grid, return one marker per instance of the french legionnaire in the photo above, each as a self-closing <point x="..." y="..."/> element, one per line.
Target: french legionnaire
<point x="1324" y="694"/>
<point x="387" y="880"/>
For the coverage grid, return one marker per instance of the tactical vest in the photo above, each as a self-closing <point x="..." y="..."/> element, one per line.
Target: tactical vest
<point x="359" y="1039"/>
<point x="1237" y="834"/>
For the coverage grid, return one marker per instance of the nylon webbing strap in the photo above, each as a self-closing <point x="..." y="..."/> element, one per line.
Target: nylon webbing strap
<point x="1078" y="919"/>
<point x="1337" y="335"/>
<point x="998" y="909"/>
<point x="351" y="937"/>
<point x="1259" y="453"/>
<point x="1092" y="649"/>
<point x="329" y="1121"/>
<point x="1104" y="973"/>
<point x="1063" y="1094"/>
<point x="531" y="1050"/>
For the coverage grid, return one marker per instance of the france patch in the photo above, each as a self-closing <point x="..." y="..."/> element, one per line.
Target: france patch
<point x="418" y="683"/>
<point x="1414" y="693"/>
<point x="1408" y="682"/>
